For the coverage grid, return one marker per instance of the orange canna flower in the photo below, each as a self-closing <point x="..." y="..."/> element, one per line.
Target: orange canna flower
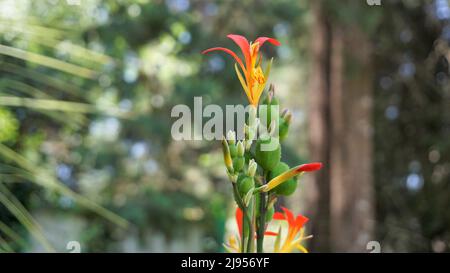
<point x="254" y="79"/>
<point x="295" y="235"/>
<point x="233" y="243"/>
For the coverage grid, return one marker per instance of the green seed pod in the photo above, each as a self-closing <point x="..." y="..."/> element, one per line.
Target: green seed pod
<point x="238" y="163"/>
<point x="279" y="169"/>
<point x="268" y="153"/>
<point x="286" y="188"/>
<point x="245" y="184"/>
<point x="233" y="150"/>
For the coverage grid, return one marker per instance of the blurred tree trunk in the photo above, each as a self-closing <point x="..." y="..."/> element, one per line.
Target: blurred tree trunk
<point x="340" y="196"/>
<point x="318" y="198"/>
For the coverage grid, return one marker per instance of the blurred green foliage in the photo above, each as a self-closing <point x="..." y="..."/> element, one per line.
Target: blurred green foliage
<point x="9" y="126"/>
<point x="89" y="89"/>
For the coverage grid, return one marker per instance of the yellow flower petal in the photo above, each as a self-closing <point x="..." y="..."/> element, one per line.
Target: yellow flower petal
<point x="232" y="245"/>
<point x="259" y="90"/>
<point x="226" y="155"/>
<point x="281" y="178"/>
<point x="244" y="85"/>
<point x="267" y="71"/>
<point x="301" y="248"/>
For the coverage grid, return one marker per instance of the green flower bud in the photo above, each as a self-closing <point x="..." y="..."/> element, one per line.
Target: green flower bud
<point x="252" y="166"/>
<point x="227" y="156"/>
<point x="231" y="137"/>
<point x="238" y="163"/>
<point x="286" y="188"/>
<point x="287" y="116"/>
<point x="285" y="121"/>
<point x="283" y="129"/>
<point x="233" y="150"/>
<point x="268" y="153"/>
<point x="244" y="184"/>
<point x="240" y="149"/>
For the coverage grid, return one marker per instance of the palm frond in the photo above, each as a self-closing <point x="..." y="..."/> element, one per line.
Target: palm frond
<point x="23" y="216"/>
<point x="48" y="62"/>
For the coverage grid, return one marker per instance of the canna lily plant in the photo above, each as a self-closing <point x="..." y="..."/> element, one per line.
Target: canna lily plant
<point x="257" y="174"/>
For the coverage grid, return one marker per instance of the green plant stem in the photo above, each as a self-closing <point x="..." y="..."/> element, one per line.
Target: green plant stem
<point x="246" y="217"/>
<point x="244" y="235"/>
<point x="250" y="244"/>
<point x="261" y="225"/>
<point x="262" y="218"/>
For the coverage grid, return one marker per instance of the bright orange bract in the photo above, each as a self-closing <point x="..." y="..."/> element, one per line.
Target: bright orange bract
<point x="254" y="79"/>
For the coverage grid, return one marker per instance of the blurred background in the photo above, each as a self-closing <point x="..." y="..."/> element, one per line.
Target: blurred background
<point x="87" y="86"/>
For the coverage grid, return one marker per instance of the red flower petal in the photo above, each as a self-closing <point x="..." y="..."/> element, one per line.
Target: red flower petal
<point x="289" y="216"/>
<point x="309" y="167"/>
<point x="279" y="216"/>
<point x="270" y="233"/>
<point x="239" y="220"/>
<point x="242" y="42"/>
<point x="262" y="40"/>
<point x="300" y="221"/>
<point x="238" y="60"/>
